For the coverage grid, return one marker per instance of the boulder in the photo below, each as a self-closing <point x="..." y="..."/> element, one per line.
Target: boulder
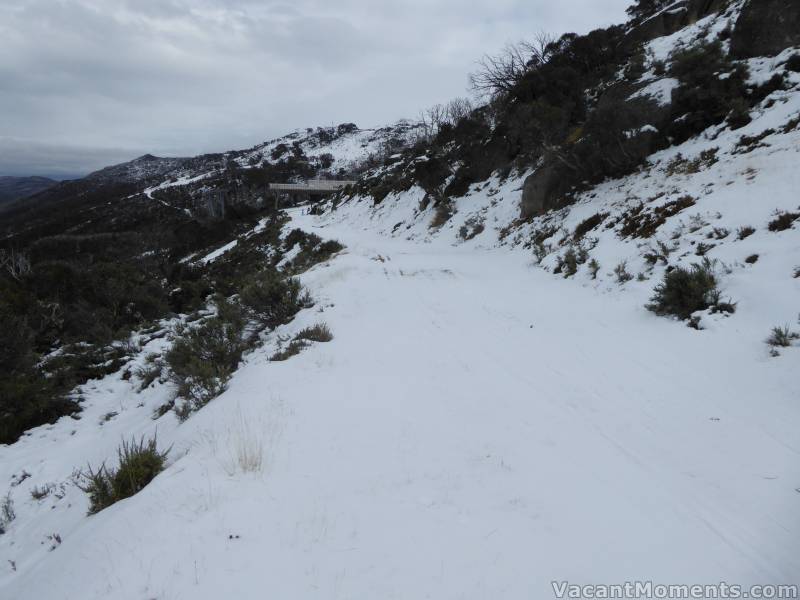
<point x="766" y="28"/>
<point x="543" y="190"/>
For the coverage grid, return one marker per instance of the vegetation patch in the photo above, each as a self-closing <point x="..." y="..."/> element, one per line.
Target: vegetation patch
<point x="621" y="273"/>
<point x="783" y="221"/>
<point x="643" y="223"/>
<point x="313" y="250"/>
<point x="316" y="333"/>
<point x="781" y="337"/>
<point x="139" y="463"/>
<point x="292" y="349"/>
<point x="442" y="213"/>
<point x="273" y="299"/>
<point x="203" y="358"/>
<point x="685" y="291"/>
<point x="472" y="228"/>
<point x="587" y="225"/>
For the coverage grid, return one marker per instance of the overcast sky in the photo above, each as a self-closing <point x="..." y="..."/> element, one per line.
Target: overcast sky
<point x="87" y="83"/>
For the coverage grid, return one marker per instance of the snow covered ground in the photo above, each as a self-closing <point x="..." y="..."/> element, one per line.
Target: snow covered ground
<point x="476" y="429"/>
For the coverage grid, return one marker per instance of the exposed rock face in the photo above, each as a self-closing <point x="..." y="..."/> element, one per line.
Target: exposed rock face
<point x="766" y="28"/>
<point x="541" y="191"/>
<point x="636" y="122"/>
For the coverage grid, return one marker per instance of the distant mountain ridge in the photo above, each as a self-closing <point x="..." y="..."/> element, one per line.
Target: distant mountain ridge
<point x="15" y="188"/>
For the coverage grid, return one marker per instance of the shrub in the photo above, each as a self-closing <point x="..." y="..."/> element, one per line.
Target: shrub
<point x="472" y="228"/>
<point x="272" y="298"/>
<point x="782" y="337"/>
<point x="744" y="232"/>
<point x="587" y="225"/>
<point x="149" y="372"/>
<point x="293" y="349"/>
<point x="783" y="221"/>
<point x="642" y="222"/>
<point x="621" y="272"/>
<point x="318" y="333"/>
<point x="594" y="268"/>
<point x="204" y="358"/>
<point x="7" y="513"/>
<point x="684" y="291"/>
<point x="40" y="493"/>
<point x="139" y="463"/>
<point x="567" y="264"/>
<point x="312" y="250"/>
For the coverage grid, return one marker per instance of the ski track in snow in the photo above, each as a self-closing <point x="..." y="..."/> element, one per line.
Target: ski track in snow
<point x="476" y="429"/>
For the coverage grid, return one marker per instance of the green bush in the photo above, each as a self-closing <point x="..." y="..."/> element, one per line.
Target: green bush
<point x="685" y="291"/>
<point x="312" y="250"/>
<point x="272" y="298"/>
<point x="139" y="463"/>
<point x="203" y="358"/>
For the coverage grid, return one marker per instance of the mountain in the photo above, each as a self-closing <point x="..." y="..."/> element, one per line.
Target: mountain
<point x="550" y="340"/>
<point x="14" y="188"/>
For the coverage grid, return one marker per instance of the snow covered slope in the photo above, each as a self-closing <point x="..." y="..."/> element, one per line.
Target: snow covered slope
<point x="477" y="428"/>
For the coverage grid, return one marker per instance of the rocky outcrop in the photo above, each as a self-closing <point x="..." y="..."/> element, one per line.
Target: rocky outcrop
<point x="766" y="28"/>
<point x="538" y="191"/>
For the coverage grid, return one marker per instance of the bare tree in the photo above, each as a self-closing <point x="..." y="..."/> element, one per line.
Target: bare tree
<point x="16" y="263"/>
<point x="439" y="115"/>
<point x="457" y="109"/>
<point x="499" y="73"/>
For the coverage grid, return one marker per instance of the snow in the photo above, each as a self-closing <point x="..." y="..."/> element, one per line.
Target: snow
<point x="212" y="256"/>
<point x="477" y="428"/>
<point x="659" y="90"/>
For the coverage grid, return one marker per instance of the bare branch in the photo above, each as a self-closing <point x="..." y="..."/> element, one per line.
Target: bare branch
<point x="499" y="73"/>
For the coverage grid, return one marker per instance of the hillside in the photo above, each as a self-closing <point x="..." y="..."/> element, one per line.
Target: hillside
<point x="554" y="339"/>
<point x="14" y="188"/>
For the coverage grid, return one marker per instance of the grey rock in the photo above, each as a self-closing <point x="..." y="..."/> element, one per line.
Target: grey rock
<point x="766" y="28"/>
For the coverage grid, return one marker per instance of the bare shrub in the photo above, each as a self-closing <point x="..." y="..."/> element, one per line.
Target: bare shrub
<point x="500" y="73"/>
<point x="744" y="232"/>
<point x="783" y="221"/>
<point x="317" y="333"/>
<point x="621" y="272"/>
